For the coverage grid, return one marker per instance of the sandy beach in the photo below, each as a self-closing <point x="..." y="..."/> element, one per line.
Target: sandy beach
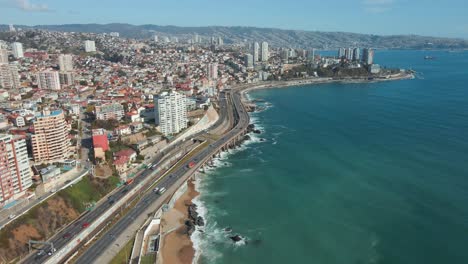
<point x="177" y="248"/>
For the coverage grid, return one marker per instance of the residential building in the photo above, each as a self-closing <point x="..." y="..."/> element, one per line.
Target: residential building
<point x="349" y="54"/>
<point x="100" y="143"/>
<point x="3" y="56"/>
<point x="115" y="34"/>
<point x="15" y="172"/>
<point x="48" y="80"/>
<point x="9" y="77"/>
<point x="341" y="52"/>
<point x="255" y="51"/>
<point x="90" y="46"/>
<point x="65" y="62"/>
<point x="248" y="60"/>
<point x="265" y="53"/>
<point x="66" y="78"/>
<point x="368" y="56"/>
<point x="109" y="111"/>
<point x="17" y="49"/>
<point x="50" y="142"/>
<point x="356" y="54"/>
<point x="212" y="70"/>
<point x="311" y="55"/>
<point x="170" y="112"/>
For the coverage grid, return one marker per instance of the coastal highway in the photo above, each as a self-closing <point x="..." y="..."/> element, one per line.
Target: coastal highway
<point x="241" y="121"/>
<point x="67" y="234"/>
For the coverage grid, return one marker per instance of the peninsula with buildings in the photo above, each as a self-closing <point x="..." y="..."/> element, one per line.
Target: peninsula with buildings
<point x="99" y="134"/>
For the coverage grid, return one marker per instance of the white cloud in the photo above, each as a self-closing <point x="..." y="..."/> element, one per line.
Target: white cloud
<point x="25" y="5"/>
<point x="377" y="6"/>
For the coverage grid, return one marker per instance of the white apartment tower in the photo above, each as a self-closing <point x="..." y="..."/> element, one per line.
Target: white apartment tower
<point x="65" y="62"/>
<point x="170" y="112"/>
<point x="90" y="46"/>
<point x="3" y="56"/>
<point x="255" y="52"/>
<point x="48" y="80"/>
<point x="9" y="77"/>
<point x="15" y="172"/>
<point x="50" y="141"/>
<point x="265" y="54"/>
<point x="17" y="49"/>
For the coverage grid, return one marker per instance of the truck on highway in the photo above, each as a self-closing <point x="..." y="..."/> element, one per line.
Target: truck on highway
<point x="191" y="164"/>
<point x="129" y="181"/>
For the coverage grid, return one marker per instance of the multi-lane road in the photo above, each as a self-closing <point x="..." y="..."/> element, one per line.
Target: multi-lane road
<point x="241" y="121"/>
<point x="68" y="233"/>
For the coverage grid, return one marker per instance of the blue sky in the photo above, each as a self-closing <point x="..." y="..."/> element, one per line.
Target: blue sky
<point x="422" y="17"/>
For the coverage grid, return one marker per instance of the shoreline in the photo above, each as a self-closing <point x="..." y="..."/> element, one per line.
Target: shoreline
<point x="177" y="246"/>
<point x="178" y="240"/>
<point x="320" y="80"/>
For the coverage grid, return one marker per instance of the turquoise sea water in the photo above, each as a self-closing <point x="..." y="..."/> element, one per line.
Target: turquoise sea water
<point x="349" y="173"/>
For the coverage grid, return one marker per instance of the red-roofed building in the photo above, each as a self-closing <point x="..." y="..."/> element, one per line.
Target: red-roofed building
<point x="100" y="143"/>
<point x="122" y="159"/>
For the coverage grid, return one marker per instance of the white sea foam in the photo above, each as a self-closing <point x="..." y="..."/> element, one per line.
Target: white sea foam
<point x="204" y="237"/>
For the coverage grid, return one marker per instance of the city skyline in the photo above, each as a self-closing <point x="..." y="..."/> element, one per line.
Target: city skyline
<point x="404" y="17"/>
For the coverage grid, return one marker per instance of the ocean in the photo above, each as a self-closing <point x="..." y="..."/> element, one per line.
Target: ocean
<point x="348" y="173"/>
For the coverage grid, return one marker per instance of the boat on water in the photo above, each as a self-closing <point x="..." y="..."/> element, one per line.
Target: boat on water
<point x="428" y="58"/>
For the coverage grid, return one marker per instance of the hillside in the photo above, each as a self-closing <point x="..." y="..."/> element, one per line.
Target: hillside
<point x="276" y="37"/>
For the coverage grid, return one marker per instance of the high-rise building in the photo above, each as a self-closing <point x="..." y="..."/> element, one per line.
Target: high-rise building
<point x="265" y="54"/>
<point x="311" y="55"/>
<point x="212" y="70"/>
<point x="17" y="49"/>
<point x="3" y="56"/>
<point x="90" y="46"/>
<point x="368" y="56"/>
<point x="170" y="112"/>
<point x="356" y="54"/>
<point x="48" y="80"/>
<point x="109" y="111"/>
<point x="50" y="142"/>
<point x="11" y="28"/>
<point x="156" y="38"/>
<point x="15" y="172"/>
<point x="65" y="62"/>
<point x="66" y="78"/>
<point x="196" y="38"/>
<point x="248" y="60"/>
<point x="285" y="55"/>
<point x="341" y="52"/>
<point x="220" y="41"/>
<point x="9" y="77"/>
<point x="255" y="51"/>
<point x="349" y="54"/>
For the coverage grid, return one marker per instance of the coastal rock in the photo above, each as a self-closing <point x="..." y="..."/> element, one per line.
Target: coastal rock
<point x="257" y="131"/>
<point x="189" y="227"/>
<point x="236" y="238"/>
<point x="228" y="229"/>
<point x="200" y="221"/>
<point x="246" y="137"/>
<point x="262" y="139"/>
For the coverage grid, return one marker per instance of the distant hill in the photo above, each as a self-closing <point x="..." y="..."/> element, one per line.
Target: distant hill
<point x="276" y="37"/>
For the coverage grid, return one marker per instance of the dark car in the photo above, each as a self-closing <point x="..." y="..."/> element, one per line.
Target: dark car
<point x="67" y="235"/>
<point x="85" y="225"/>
